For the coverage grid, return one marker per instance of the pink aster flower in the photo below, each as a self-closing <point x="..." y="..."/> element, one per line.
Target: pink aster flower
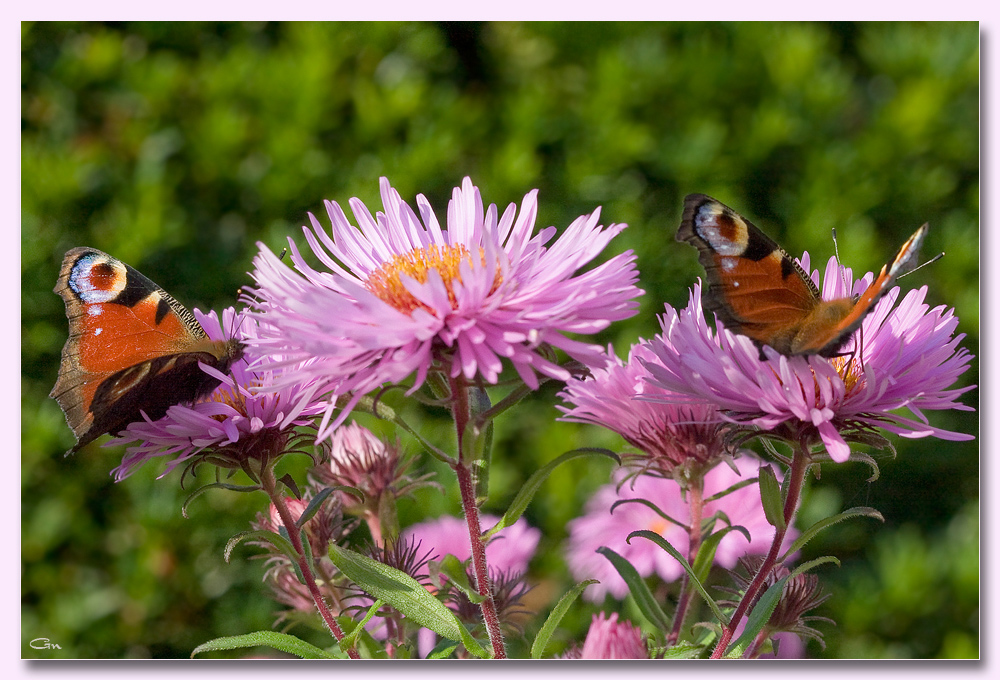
<point x="400" y="295"/>
<point x="670" y="433"/>
<point x="600" y="527"/>
<point x="903" y="356"/>
<point x="234" y="423"/>
<point x="609" y="638"/>
<point x="510" y="550"/>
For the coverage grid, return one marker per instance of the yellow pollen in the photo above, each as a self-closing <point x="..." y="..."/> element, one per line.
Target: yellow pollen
<point x="385" y="281"/>
<point x="226" y="396"/>
<point x="849" y="369"/>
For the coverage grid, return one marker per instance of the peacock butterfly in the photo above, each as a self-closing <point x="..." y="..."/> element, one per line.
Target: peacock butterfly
<point x="757" y="289"/>
<point x="132" y="348"/>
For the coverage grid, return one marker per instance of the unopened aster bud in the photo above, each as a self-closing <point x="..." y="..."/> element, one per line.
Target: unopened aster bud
<point x="800" y="594"/>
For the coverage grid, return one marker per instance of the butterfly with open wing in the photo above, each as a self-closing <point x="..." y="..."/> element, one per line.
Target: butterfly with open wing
<point x="132" y="348"/>
<point x="756" y="289"/>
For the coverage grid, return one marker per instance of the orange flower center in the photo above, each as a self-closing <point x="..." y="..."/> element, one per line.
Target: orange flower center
<point x="850" y="370"/>
<point x="386" y="284"/>
<point x="226" y="396"/>
<point x="658" y="525"/>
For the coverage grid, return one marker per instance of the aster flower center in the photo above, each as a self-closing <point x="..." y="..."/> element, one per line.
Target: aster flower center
<point x="850" y="370"/>
<point x="386" y="284"/>
<point x="658" y="525"/>
<point x="225" y="396"/>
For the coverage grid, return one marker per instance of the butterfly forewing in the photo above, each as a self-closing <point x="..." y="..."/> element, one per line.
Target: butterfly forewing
<point x="132" y="348"/>
<point x="754" y="288"/>
<point x="757" y="289"/>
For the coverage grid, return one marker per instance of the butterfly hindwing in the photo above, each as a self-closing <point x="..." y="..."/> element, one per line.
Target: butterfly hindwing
<point x="132" y="348"/>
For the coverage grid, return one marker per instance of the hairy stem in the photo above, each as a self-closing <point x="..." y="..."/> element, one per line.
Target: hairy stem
<point x="696" y="501"/>
<point x="796" y="476"/>
<point x="295" y="536"/>
<point x="467" y="488"/>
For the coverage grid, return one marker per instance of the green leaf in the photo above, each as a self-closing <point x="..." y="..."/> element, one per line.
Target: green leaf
<point x="734" y="487"/>
<point x="442" y="650"/>
<point x="366" y="646"/>
<point x="644" y="599"/>
<point x="527" y="492"/>
<point x="314" y="505"/>
<point x="652" y="506"/>
<point x="555" y="616"/>
<point x="706" y="551"/>
<point x="478" y="442"/>
<point x="806" y="566"/>
<point x="770" y="498"/>
<point x="405" y="594"/>
<point x="811" y="532"/>
<point x="684" y="650"/>
<point x="277" y="540"/>
<point x="317" y="501"/>
<point x="695" y="581"/>
<point x="349" y="640"/>
<point x="758" y="618"/>
<point x="454" y="569"/>
<point x="265" y="638"/>
<point x="216" y="485"/>
<point x="289" y="482"/>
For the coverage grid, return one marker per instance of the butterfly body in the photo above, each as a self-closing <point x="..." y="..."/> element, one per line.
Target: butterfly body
<point x="757" y="289"/>
<point x="132" y="348"/>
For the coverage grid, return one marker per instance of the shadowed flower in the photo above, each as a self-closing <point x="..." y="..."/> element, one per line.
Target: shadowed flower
<point x="903" y="356"/>
<point x="508" y="589"/>
<point x="676" y="439"/>
<point x="360" y="459"/>
<point x="609" y="638"/>
<point x="326" y="526"/>
<point x="601" y="527"/>
<point x="234" y="425"/>
<point x="400" y="295"/>
<point x="799" y="595"/>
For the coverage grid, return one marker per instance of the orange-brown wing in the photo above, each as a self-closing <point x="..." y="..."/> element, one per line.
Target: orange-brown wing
<point x="825" y="337"/>
<point x="754" y="287"/>
<point x="131" y="347"/>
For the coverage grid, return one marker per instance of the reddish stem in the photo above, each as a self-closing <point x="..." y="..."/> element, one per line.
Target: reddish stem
<point x="295" y="536"/>
<point x="696" y="501"/>
<point x="467" y="488"/>
<point x="797" y="474"/>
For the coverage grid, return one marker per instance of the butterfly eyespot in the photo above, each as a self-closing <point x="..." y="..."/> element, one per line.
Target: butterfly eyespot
<point x="95" y="279"/>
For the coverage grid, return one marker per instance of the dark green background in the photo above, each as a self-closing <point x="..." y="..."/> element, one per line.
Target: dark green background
<point x="176" y="147"/>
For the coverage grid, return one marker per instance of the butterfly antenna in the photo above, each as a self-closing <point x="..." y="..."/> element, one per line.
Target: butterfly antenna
<point x="921" y="266"/>
<point x="840" y="265"/>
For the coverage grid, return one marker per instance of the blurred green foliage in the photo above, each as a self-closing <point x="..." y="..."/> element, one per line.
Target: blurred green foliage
<point x="176" y="147"/>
